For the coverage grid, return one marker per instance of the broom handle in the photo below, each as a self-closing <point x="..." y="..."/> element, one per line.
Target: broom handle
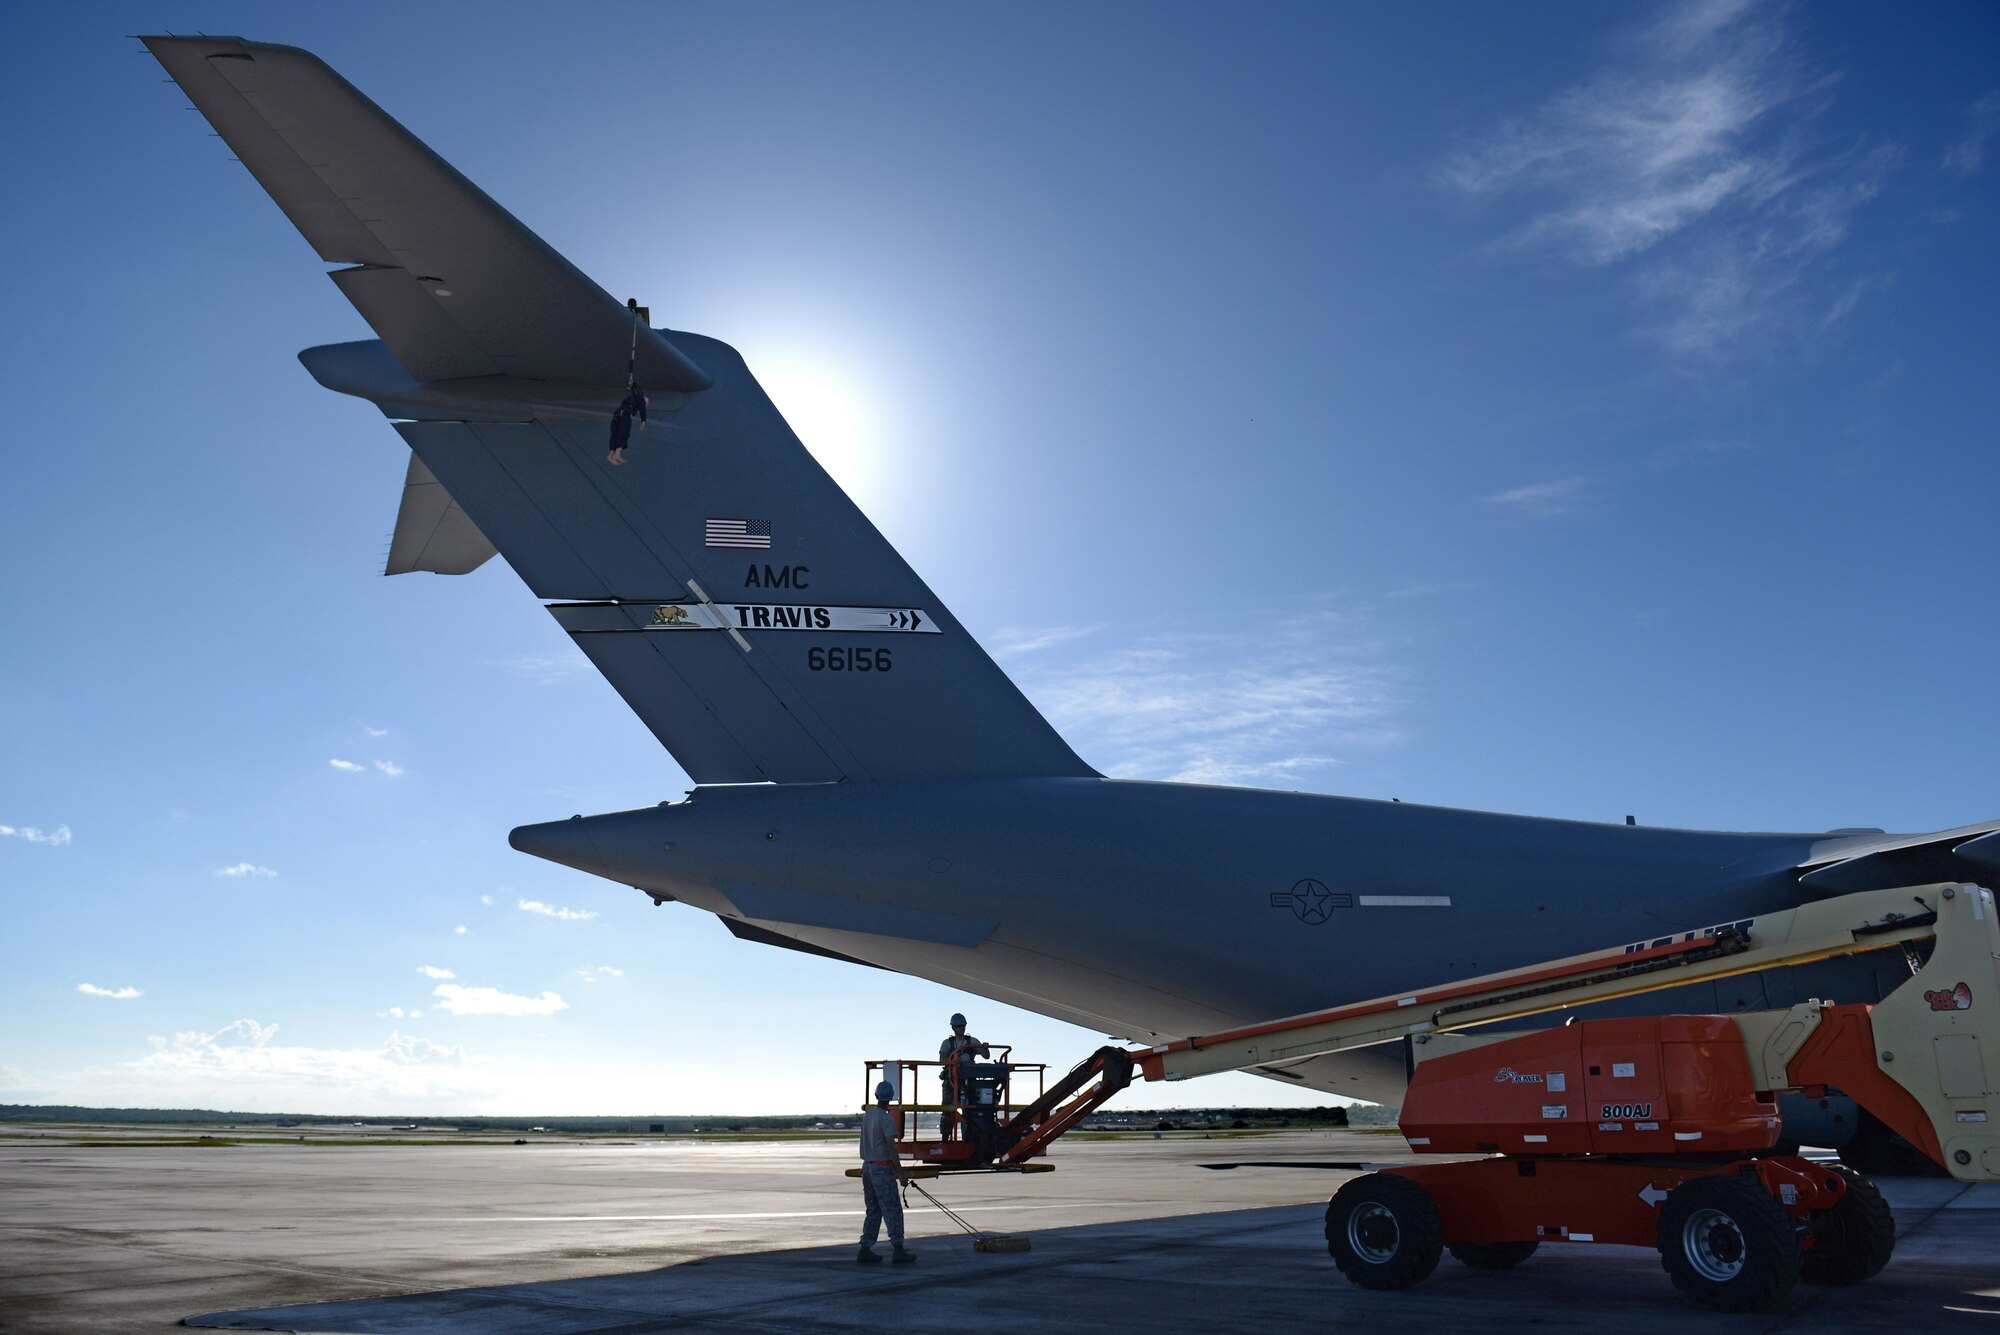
<point x="949" y="1213"/>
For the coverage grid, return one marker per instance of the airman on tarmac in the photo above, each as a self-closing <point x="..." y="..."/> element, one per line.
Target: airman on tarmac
<point x="881" y="1174"/>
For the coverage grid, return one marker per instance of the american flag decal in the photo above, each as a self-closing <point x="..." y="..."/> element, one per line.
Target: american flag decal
<point x="742" y="534"/>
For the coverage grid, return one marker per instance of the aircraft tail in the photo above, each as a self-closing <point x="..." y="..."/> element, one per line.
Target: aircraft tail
<point x="732" y="593"/>
<point x="735" y="597"/>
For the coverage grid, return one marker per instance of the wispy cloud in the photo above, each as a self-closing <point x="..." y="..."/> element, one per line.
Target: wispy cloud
<point x="1698" y="165"/>
<point x="388" y="767"/>
<point x="115" y="993"/>
<point x="1015" y="641"/>
<point x="1542" y="500"/>
<point x="56" y="837"/>
<point x="432" y="972"/>
<point x="460" y="930"/>
<point x="1196" y="707"/>
<point x="492" y="1001"/>
<point x="245" y="869"/>
<point x="547" y="669"/>
<point x="398" y="1013"/>
<point x="592" y="973"/>
<point x="374" y="732"/>
<point x="487" y="900"/>
<point x="551" y="911"/>
<point x="1968" y="155"/>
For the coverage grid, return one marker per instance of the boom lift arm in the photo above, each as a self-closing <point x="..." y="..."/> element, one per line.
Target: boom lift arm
<point x="1927" y="1067"/>
<point x="1067" y="1102"/>
<point x="1925" y="1060"/>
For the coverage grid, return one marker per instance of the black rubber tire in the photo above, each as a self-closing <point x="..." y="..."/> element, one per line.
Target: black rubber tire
<point x="1853" y="1240"/>
<point x="1728" y="1245"/>
<point x="1492" y="1255"/>
<point x="1384" y="1232"/>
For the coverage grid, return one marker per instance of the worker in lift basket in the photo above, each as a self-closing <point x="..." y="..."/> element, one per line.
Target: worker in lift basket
<point x="955" y="1054"/>
<point x="880" y="1175"/>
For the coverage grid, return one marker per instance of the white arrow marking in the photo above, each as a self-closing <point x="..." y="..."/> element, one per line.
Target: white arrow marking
<point x="1652" y="1195"/>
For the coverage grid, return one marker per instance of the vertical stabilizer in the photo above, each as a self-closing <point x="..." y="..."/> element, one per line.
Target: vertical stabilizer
<point x="736" y="598"/>
<point x="734" y="595"/>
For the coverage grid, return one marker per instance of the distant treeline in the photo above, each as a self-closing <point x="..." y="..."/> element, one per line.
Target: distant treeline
<point x="1366" y="1115"/>
<point x="16" y="1112"/>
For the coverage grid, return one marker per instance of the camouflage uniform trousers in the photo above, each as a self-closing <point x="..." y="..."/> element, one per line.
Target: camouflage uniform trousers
<point x="878" y="1190"/>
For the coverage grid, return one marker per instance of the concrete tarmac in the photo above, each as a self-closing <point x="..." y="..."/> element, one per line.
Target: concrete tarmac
<point x="590" y="1236"/>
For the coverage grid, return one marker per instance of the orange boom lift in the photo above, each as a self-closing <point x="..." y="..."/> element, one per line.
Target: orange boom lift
<point x="1660" y="1131"/>
<point x="1657" y="1131"/>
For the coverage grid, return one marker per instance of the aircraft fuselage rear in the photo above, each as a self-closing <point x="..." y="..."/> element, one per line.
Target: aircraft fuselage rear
<point x="1155" y="909"/>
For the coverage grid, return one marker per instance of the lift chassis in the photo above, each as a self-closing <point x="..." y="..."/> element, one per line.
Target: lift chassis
<point x="1661" y="1131"/>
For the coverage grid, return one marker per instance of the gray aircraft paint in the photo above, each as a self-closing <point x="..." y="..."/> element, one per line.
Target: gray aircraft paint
<point x="873" y="787"/>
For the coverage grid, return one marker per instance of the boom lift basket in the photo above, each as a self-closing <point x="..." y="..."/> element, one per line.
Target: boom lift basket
<point x="983" y="1120"/>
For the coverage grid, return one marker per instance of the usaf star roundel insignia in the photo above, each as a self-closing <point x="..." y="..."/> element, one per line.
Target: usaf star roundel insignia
<point x="1311" y="902"/>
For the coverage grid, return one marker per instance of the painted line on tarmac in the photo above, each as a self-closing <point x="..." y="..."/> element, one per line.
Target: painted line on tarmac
<point x="688" y="1218"/>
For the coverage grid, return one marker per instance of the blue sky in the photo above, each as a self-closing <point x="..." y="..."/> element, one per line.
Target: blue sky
<point x="1568" y="409"/>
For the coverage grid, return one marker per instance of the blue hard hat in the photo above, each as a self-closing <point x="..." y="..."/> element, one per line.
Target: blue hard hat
<point x="958" y="1022"/>
<point x="885" y="1090"/>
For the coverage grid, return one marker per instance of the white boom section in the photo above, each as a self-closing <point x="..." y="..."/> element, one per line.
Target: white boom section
<point x="1848" y="925"/>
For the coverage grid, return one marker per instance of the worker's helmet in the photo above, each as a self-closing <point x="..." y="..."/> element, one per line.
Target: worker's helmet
<point x="885" y="1091"/>
<point x="958" y="1022"/>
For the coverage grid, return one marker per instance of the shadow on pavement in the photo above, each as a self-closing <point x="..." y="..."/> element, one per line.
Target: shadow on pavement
<point x="1262" y="1270"/>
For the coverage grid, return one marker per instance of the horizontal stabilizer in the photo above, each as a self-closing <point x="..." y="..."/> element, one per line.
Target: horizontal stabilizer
<point x="452" y="282"/>
<point x="432" y="533"/>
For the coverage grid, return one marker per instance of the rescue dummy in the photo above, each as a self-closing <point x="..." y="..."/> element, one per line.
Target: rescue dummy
<point x="621" y="423"/>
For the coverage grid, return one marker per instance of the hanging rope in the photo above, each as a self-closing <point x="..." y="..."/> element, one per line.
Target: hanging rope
<point x="632" y="358"/>
<point x="635" y="402"/>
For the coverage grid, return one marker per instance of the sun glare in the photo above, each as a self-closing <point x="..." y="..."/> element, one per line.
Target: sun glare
<point x="830" y="415"/>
